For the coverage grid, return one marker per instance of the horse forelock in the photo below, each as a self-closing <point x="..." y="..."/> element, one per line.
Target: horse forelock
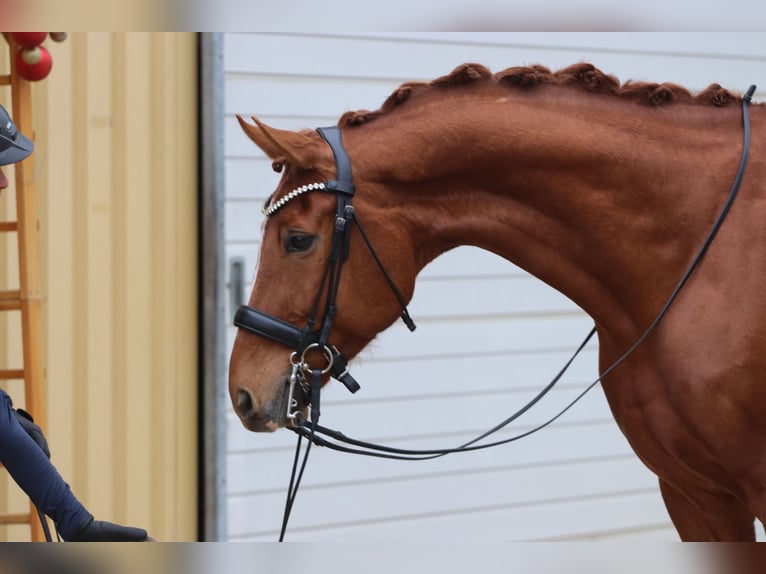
<point x="584" y="76"/>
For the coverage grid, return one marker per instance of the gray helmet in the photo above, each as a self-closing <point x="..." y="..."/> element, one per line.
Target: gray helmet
<point x="14" y="146"/>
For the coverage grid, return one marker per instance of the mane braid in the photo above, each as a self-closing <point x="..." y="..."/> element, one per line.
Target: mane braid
<point x="583" y="76"/>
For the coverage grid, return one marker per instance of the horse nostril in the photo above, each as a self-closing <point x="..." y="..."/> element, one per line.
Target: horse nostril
<point x="245" y="405"/>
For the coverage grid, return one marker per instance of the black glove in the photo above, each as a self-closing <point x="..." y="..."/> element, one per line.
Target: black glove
<point x="103" y="531"/>
<point x="28" y="424"/>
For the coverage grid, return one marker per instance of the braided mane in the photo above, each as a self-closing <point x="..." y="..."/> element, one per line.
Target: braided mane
<point x="584" y="76"/>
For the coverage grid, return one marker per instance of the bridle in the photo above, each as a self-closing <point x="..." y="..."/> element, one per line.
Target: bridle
<point x="303" y="340"/>
<point x="304" y="378"/>
<point x="307" y="379"/>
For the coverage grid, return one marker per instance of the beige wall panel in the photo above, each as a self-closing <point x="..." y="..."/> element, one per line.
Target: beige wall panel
<point x="116" y="152"/>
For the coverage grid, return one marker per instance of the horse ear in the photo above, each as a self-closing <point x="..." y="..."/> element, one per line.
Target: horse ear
<point x="297" y="148"/>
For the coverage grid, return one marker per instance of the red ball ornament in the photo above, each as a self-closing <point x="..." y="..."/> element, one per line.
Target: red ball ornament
<point x="33" y="66"/>
<point x="28" y="39"/>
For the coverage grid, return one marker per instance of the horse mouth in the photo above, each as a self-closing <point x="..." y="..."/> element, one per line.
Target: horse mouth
<point x="275" y="415"/>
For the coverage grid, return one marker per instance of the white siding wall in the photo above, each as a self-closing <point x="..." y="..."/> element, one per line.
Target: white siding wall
<point x="489" y="337"/>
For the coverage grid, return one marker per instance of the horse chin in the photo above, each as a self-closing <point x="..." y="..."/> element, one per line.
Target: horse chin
<point x="255" y="424"/>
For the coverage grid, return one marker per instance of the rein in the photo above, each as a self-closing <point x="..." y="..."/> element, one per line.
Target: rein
<point x="307" y="380"/>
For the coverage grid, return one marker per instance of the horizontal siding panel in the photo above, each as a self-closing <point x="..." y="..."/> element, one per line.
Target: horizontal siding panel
<point x="687" y="59"/>
<point x="468" y="265"/>
<point x="462" y="262"/>
<point x="429" y="430"/>
<point x="490" y="337"/>
<point x="252" y="178"/>
<point x="243" y="220"/>
<point x="492" y="376"/>
<point x="287" y="96"/>
<point x="421" y="416"/>
<point x="562" y="442"/>
<point x="489" y="375"/>
<point x="493" y="295"/>
<point x="350" y="503"/>
<point x="470" y="374"/>
<point x="497" y="385"/>
<point x="439" y="419"/>
<point x="736" y="45"/>
<point x="469" y="262"/>
<point x="630" y="516"/>
<point x="469" y="297"/>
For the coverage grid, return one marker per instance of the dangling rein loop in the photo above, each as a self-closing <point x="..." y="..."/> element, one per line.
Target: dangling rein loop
<point x="295" y="475"/>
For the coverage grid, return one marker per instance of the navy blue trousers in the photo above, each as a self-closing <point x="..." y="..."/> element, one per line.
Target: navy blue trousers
<point x="36" y="475"/>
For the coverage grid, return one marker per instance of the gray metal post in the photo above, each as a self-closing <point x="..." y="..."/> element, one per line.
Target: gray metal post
<point x="213" y="394"/>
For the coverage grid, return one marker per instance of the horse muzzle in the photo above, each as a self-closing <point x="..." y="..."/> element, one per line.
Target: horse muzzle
<point x="261" y="416"/>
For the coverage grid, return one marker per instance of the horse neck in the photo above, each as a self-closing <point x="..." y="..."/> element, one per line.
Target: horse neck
<point x="605" y="203"/>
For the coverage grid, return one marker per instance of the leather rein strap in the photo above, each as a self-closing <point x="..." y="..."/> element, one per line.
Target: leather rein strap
<point x="263" y="324"/>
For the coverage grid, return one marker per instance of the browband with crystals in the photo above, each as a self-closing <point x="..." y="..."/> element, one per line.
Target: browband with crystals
<point x="272" y="208"/>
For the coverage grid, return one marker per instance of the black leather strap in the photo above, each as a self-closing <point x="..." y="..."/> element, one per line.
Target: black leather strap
<point x="343" y="180"/>
<point x="268" y="326"/>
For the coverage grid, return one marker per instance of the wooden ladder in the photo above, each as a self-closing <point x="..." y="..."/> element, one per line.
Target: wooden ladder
<point x="26" y="299"/>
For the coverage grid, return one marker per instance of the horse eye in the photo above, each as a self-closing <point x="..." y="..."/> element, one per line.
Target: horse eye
<point x="299" y="242"/>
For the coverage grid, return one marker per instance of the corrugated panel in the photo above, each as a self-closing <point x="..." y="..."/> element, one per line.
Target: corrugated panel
<point x="116" y="161"/>
<point x="489" y="335"/>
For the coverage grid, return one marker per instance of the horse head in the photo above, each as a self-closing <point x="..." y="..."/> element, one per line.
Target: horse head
<point x="291" y="282"/>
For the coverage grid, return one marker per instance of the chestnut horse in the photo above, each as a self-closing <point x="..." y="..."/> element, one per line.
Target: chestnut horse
<point x="603" y="190"/>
